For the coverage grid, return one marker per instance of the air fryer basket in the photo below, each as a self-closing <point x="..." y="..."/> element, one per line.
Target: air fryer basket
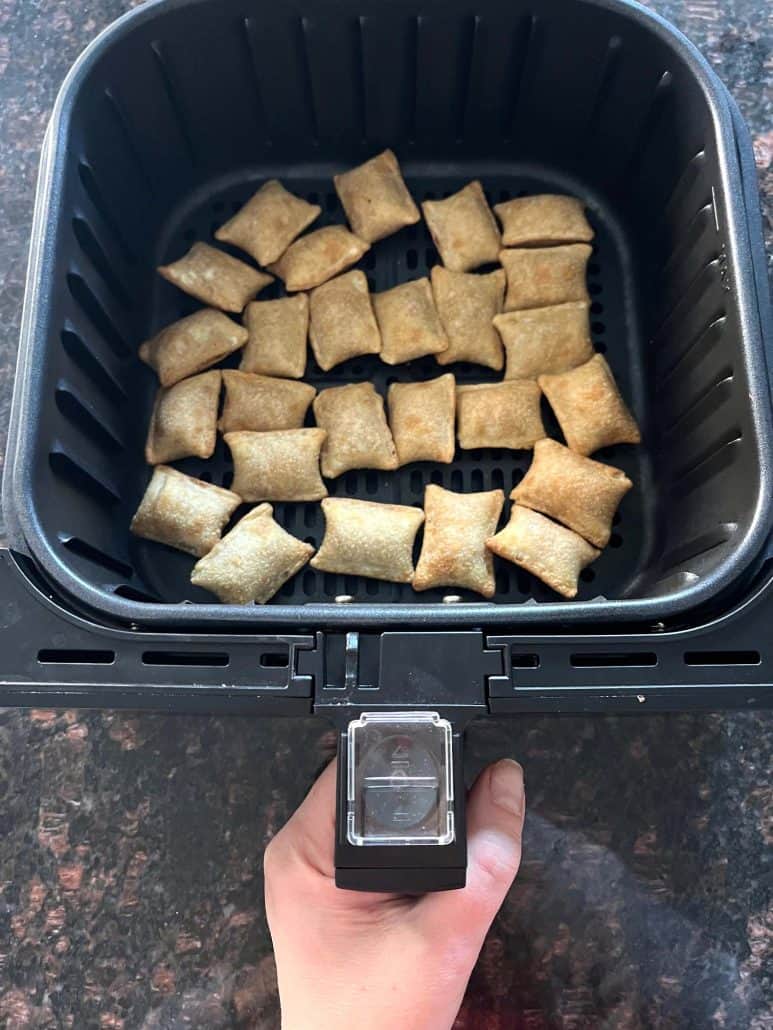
<point x="176" y="113"/>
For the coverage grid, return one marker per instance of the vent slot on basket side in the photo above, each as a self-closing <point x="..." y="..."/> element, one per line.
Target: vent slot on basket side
<point x="202" y="659"/>
<point x="614" y="659"/>
<point x="715" y="658"/>
<point x="53" y="656"/>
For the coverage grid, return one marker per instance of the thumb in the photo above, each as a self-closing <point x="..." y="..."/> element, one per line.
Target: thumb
<point x="495" y="814"/>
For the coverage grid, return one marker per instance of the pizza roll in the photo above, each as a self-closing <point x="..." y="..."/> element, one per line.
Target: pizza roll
<point x="581" y="493"/>
<point x="183" y="512"/>
<point x="215" y="278"/>
<point x="463" y="228"/>
<point x="466" y="305"/>
<point x="358" y="436"/>
<point x="260" y="403"/>
<point x="268" y="223"/>
<point x="543" y="220"/>
<point x="589" y="408"/>
<point x="550" y="552"/>
<point x="545" y="340"/>
<point x="317" y="257"/>
<point x="363" y="538"/>
<point x="454" y="553"/>
<point x="281" y="465"/>
<point x="409" y="322"/>
<point x="277" y="337"/>
<point x="342" y="324"/>
<point x="252" y="561"/>
<point x="540" y="276"/>
<point x="184" y="420"/>
<point x="499" y="415"/>
<point x="375" y="198"/>
<point x="191" y="345"/>
<point x="422" y="419"/>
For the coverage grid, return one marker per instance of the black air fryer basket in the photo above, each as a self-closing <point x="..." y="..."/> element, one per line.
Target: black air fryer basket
<point x="165" y="126"/>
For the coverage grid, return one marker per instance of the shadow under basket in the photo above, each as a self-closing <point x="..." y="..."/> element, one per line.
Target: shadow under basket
<point x="176" y="114"/>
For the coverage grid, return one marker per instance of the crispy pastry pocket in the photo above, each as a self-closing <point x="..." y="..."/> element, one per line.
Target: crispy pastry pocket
<point x="268" y="223"/>
<point x="467" y="304"/>
<point x="409" y="322"/>
<point x="183" y="512"/>
<point x="358" y="436"/>
<point x="375" y="198"/>
<point x="342" y="322"/>
<point x="260" y="403"/>
<point x="463" y="228"/>
<point x="542" y="220"/>
<point x="253" y="561"/>
<point x="277" y="330"/>
<point x="544" y="341"/>
<point x="581" y="493"/>
<point x="552" y="553"/>
<point x="191" y="345"/>
<point x="499" y="415"/>
<point x="282" y="465"/>
<point x="317" y="257"/>
<point x="421" y="416"/>
<point x="540" y="276"/>
<point x="215" y="278"/>
<point x="589" y="408"/>
<point x="363" y="538"/>
<point x="184" y="420"/>
<point x="454" y="552"/>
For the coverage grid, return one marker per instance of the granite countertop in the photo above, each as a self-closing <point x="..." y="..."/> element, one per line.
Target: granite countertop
<point x="130" y="845"/>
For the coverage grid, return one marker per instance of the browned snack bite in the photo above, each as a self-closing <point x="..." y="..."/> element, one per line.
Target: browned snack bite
<point x="268" y="223"/>
<point x="365" y="538"/>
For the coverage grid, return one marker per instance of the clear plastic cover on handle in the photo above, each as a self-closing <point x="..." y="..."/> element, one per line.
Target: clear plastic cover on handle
<point x="400" y="779"/>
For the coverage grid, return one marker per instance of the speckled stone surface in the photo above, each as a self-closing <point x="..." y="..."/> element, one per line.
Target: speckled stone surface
<point x="130" y="845"/>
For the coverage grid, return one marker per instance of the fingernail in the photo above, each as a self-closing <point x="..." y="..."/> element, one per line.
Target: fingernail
<point x="506" y="785"/>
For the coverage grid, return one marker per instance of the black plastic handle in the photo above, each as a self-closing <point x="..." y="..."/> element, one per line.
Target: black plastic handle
<point x="400" y="868"/>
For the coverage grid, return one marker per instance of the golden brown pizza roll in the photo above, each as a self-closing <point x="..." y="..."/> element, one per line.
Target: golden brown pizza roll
<point x="550" y="552"/>
<point x="260" y="403"/>
<point x="581" y="493"/>
<point x="184" y="420"/>
<point x="454" y="552"/>
<point x="499" y="415"/>
<point x="191" y="345"/>
<point x="183" y="512"/>
<point x="422" y="419"/>
<point x="268" y="223"/>
<point x="215" y="278"/>
<point x="252" y="561"/>
<point x="375" y="198"/>
<point x="342" y="324"/>
<point x="281" y="465"/>
<point x="542" y="220"/>
<point x="463" y="229"/>
<point x="467" y="304"/>
<point x="278" y="330"/>
<point x="545" y="340"/>
<point x="358" y="436"/>
<point x="540" y="276"/>
<point x="589" y="408"/>
<point x="317" y="257"/>
<point x="363" y="538"/>
<point x="409" y="322"/>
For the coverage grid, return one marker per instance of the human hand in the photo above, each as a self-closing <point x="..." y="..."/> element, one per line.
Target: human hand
<point x="347" y="959"/>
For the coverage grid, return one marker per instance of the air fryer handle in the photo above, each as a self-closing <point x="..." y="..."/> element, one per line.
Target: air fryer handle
<point x="400" y="823"/>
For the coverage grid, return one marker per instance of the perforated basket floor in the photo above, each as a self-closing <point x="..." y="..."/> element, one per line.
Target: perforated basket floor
<point x="406" y="255"/>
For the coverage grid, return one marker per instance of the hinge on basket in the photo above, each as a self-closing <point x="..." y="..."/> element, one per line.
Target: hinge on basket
<point x="446" y="670"/>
